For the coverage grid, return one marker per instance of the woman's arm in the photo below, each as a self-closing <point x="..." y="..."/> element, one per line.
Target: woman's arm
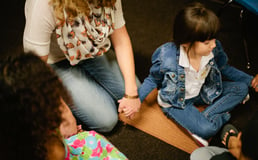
<point x="39" y="26"/>
<point x="124" y="53"/>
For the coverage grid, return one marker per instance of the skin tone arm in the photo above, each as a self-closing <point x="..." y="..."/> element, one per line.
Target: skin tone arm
<point x="44" y="58"/>
<point x="124" y="53"/>
<point x="255" y="83"/>
<point x="234" y="145"/>
<point x="68" y="127"/>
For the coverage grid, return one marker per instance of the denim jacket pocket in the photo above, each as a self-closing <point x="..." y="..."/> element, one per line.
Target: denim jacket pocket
<point x="169" y="83"/>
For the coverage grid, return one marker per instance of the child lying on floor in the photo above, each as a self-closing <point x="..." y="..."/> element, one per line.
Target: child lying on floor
<point x="32" y="113"/>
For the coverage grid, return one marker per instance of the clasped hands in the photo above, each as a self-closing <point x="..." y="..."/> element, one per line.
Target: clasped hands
<point x="129" y="106"/>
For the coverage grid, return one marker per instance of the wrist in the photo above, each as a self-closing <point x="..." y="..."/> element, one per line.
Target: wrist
<point x="131" y="96"/>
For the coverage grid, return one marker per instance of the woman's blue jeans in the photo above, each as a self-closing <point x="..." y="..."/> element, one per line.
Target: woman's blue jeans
<point x="95" y="85"/>
<point x="208" y="122"/>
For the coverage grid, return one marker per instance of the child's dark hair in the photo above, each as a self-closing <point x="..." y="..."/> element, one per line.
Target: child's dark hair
<point x="194" y="23"/>
<point x="249" y="138"/>
<point x="30" y="95"/>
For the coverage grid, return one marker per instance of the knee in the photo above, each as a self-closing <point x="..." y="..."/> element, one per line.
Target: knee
<point x="197" y="154"/>
<point x="201" y="153"/>
<point x="206" y="131"/>
<point x="241" y="88"/>
<point x="106" y="124"/>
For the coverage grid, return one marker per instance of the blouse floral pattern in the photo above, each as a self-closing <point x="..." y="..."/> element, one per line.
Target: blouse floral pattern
<point x="91" y="146"/>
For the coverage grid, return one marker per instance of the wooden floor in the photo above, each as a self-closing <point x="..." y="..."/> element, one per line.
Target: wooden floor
<point x="151" y="120"/>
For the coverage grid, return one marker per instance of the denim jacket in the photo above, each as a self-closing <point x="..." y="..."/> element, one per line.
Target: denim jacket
<point x="169" y="77"/>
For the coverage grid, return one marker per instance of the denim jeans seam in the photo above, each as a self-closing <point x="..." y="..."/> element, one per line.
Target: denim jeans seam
<point x="210" y="110"/>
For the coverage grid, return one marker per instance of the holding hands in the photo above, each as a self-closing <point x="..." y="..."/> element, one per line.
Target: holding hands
<point x="129" y="105"/>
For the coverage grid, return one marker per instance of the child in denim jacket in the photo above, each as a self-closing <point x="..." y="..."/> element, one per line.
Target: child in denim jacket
<point x="188" y="72"/>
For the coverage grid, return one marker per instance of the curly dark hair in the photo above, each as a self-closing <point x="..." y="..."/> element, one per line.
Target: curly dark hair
<point x="30" y="93"/>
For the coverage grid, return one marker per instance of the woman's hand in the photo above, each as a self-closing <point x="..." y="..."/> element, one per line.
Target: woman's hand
<point x="129" y="106"/>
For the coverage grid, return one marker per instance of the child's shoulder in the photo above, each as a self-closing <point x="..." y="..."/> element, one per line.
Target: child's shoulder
<point x="166" y="55"/>
<point x="166" y="50"/>
<point x="168" y="46"/>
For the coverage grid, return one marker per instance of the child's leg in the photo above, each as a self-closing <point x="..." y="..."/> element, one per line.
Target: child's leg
<point x="207" y="123"/>
<point x="191" y="119"/>
<point x="232" y="95"/>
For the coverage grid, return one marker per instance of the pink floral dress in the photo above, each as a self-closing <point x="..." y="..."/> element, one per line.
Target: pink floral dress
<point x="91" y="146"/>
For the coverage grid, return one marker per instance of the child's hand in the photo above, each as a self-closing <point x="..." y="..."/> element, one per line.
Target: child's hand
<point x="255" y="83"/>
<point x="235" y="145"/>
<point x="68" y="127"/>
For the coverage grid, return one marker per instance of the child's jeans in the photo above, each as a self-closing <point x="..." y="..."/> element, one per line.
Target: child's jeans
<point x="208" y="122"/>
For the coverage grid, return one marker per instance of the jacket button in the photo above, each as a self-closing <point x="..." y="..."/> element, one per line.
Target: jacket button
<point x="182" y="76"/>
<point x="211" y="63"/>
<point x="217" y="93"/>
<point x="182" y="89"/>
<point x="173" y="75"/>
<point x="181" y="99"/>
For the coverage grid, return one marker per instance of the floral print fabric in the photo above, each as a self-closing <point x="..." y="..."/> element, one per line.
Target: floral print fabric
<point x="91" y="146"/>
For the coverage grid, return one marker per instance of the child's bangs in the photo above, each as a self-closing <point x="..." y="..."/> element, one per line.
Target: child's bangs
<point x="206" y="31"/>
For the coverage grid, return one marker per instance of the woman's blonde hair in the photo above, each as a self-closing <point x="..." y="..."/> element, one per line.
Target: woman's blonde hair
<point x="75" y="7"/>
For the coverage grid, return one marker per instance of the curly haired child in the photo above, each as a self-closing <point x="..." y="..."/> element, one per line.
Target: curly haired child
<point x="32" y="113"/>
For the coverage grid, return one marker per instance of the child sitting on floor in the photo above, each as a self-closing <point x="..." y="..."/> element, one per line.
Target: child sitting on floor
<point x="193" y="70"/>
<point x="32" y="111"/>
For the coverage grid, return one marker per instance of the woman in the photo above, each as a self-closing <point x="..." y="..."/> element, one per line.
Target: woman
<point x="82" y="29"/>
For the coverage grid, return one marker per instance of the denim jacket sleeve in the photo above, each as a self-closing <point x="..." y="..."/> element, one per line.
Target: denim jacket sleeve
<point x="154" y="78"/>
<point x="227" y="71"/>
<point x="160" y="64"/>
